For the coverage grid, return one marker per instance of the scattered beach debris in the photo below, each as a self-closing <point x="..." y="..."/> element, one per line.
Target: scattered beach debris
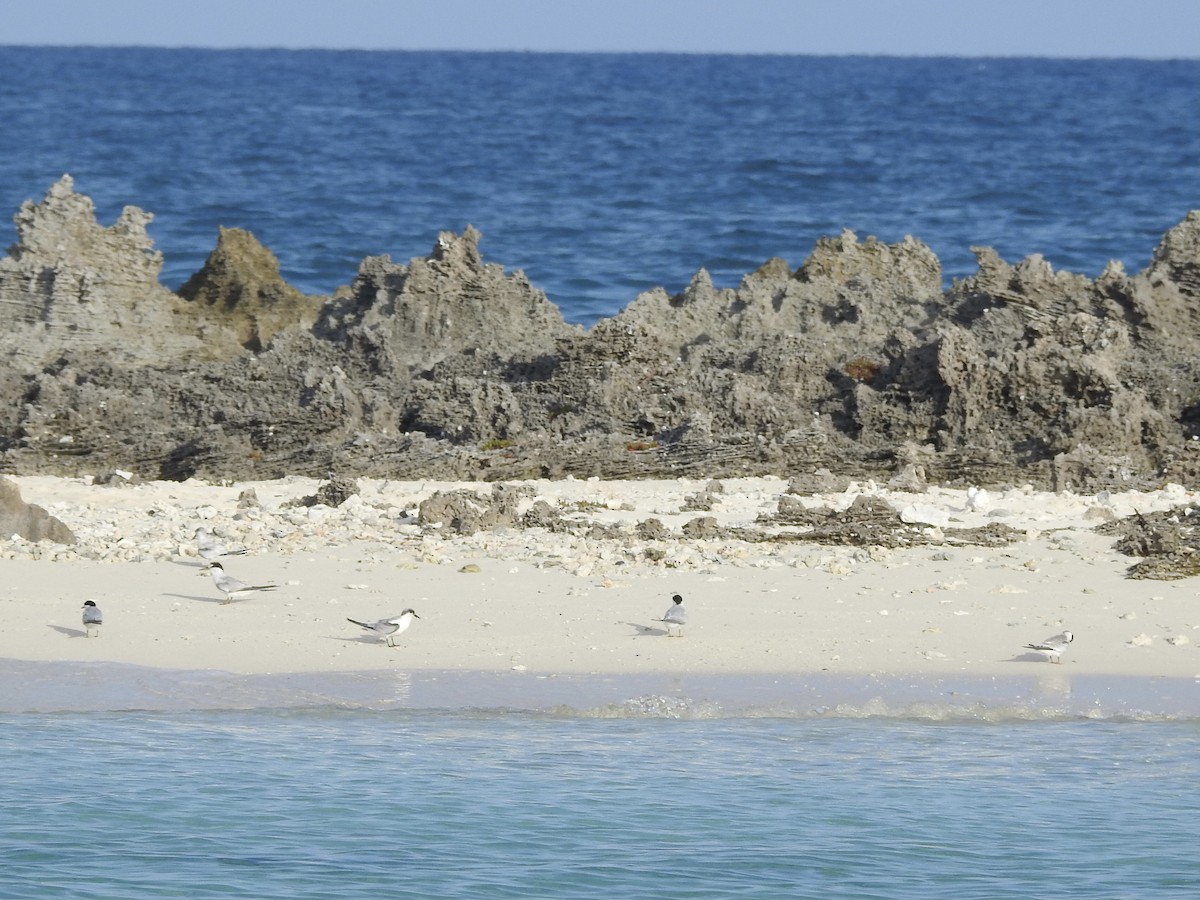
<point x="1168" y="542"/>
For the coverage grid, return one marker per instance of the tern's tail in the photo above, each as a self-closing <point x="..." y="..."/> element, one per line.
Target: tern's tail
<point x="356" y="622"/>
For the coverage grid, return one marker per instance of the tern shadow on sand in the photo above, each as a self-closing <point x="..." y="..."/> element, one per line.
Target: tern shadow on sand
<point x="1032" y="656"/>
<point x="69" y="632"/>
<point x="645" y="630"/>
<point x="365" y="639"/>
<point x="199" y="599"/>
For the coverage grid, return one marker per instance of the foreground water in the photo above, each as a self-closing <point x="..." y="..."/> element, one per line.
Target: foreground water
<point x="346" y="804"/>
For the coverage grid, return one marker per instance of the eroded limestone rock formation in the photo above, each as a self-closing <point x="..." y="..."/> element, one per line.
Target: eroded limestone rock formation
<point x="856" y="364"/>
<point x="71" y="286"/>
<point x="240" y="290"/>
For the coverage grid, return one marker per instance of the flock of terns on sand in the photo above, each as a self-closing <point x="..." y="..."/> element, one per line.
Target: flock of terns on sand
<point x="210" y="550"/>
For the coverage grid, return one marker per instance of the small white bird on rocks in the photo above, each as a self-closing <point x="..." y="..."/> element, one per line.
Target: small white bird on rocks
<point x="92" y="618"/>
<point x="388" y="629"/>
<point x="1053" y="646"/>
<point x="230" y="586"/>
<point x="210" y="548"/>
<point x="675" y="617"/>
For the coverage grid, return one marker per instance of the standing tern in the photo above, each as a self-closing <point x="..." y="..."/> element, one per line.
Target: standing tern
<point x="92" y="618"/>
<point x="209" y="548"/>
<point x="1053" y="646"/>
<point x="230" y="586"/>
<point x="675" y="617"/>
<point x="388" y="629"/>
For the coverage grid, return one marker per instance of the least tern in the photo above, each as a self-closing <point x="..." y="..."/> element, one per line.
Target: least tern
<point x="230" y="586"/>
<point x="1053" y="646"/>
<point x="92" y="618"/>
<point x="209" y="548"/>
<point x="388" y="629"/>
<point x="675" y="617"/>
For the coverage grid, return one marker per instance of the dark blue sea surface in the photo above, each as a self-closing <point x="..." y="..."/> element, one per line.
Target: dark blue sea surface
<point x="605" y="175"/>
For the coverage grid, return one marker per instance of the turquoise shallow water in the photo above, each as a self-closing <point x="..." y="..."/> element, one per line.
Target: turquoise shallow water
<point x="327" y="803"/>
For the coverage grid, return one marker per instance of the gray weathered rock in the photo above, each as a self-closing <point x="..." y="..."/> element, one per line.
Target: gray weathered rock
<point x="858" y="364"/>
<point x="70" y="286"/>
<point x="28" y="520"/>
<point x="239" y="289"/>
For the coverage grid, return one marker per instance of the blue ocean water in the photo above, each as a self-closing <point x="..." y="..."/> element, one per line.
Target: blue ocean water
<point x="350" y="804"/>
<point x="605" y="175"/>
<point x="600" y="176"/>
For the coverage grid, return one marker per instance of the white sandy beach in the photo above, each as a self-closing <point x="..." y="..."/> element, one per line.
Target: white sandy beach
<point x="530" y="601"/>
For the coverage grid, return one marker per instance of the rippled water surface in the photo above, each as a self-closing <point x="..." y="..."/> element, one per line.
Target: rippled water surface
<point x="342" y="804"/>
<point x="605" y="175"/>
<point x="600" y="176"/>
